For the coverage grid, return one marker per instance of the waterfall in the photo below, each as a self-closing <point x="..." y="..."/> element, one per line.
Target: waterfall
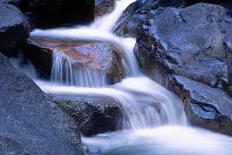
<point x="154" y="118"/>
<point x="65" y="70"/>
<point x="97" y="31"/>
<point x="146" y="103"/>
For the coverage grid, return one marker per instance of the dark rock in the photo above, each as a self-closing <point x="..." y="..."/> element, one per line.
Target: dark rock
<point x="94" y="114"/>
<point x="40" y="56"/>
<point x="188" y="42"/>
<point x="30" y="122"/>
<point x="103" y="7"/>
<point x="14" y="29"/>
<point x="206" y="106"/>
<point x="56" y="12"/>
<point x="93" y="55"/>
<point x="228" y="45"/>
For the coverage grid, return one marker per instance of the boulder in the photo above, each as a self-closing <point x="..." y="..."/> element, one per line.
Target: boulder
<point x="14" y="29"/>
<point x="49" y="13"/>
<point x="95" y="114"/>
<point x="31" y="123"/>
<point x="191" y="43"/>
<point x="92" y="55"/>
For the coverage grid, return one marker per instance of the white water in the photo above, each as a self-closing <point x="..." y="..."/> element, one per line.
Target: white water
<point x="148" y="107"/>
<point x="66" y="71"/>
<point x="100" y="30"/>
<point x="146" y="103"/>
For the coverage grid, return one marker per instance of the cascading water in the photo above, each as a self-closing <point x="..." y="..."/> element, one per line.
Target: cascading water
<point x="155" y="121"/>
<point x="65" y="70"/>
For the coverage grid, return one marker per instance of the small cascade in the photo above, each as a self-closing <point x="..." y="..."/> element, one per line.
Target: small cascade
<point x="146" y="104"/>
<point x="154" y="118"/>
<point x="66" y="71"/>
<point x="101" y="23"/>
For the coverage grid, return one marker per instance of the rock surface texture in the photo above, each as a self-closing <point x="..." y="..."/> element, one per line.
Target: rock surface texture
<point x="30" y="122"/>
<point x="187" y="49"/>
<point x="14" y="29"/>
<point x="96" y="114"/>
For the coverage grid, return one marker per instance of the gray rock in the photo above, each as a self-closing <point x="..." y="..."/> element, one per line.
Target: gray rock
<point x="30" y="122"/>
<point x="94" y="114"/>
<point x="188" y="42"/>
<point x="206" y="106"/>
<point x="14" y="29"/>
<point x="103" y="7"/>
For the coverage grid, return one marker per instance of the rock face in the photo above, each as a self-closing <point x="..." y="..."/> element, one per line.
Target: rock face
<point x="30" y="122"/>
<point x="94" y="114"/>
<point x="99" y="56"/>
<point x="55" y="12"/>
<point x="38" y="53"/>
<point x="14" y="29"/>
<point x="188" y="51"/>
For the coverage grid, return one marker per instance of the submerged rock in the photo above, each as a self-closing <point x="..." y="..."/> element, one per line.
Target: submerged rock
<point x="97" y="114"/>
<point x="30" y="122"/>
<point x="92" y="55"/>
<point x="14" y="29"/>
<point x="188" y="43"/>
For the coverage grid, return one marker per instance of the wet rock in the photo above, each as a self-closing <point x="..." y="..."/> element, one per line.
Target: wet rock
<point x="187" y="42"/>
<point x="96" y="114"/>
<point x="40" y="56"/>
<point x="14" y="29"/>
<point x="206" y="106"/>
<point x="93" y="55"/>
<point x="103" y="7"/>
<point x="56" y="12"/>
<point x="30" y="122"/>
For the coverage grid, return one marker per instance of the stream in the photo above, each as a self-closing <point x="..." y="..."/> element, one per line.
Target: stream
<point x="155" y="122"/>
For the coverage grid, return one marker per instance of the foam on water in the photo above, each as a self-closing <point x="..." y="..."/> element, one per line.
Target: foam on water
<point x="164" y="140"/>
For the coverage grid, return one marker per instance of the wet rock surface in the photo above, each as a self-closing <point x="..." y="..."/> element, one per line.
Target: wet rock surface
<point x="30" y="122"/>
<point x="102" y="7"/>
<point x="93" y="55"/>
<point x="14" y="29"/>
<point x="193" y="44"/>
<point x="94" y="114"/>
